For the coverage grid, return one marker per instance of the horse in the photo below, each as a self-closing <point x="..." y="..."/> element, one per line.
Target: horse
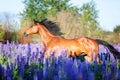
<point x="75" y="47"/>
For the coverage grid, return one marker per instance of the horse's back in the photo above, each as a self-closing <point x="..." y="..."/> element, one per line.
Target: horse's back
<point x="62" y="42"/>
<point x="79" y="42"/>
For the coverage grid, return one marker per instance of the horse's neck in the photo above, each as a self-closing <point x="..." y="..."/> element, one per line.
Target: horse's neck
<point x="46" y="36"/>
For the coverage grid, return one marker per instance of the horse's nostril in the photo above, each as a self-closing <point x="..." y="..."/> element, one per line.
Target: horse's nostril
<point x="25" y="34"/>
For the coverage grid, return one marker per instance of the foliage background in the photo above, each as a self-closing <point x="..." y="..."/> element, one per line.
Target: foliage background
<point x="73" y="21"/>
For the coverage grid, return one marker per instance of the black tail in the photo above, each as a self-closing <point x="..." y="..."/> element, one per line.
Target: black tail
<point x="115" y="53"/>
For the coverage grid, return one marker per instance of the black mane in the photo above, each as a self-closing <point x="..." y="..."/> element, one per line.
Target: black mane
<point x="51" y="26"/>
<point x="47" y="23"/>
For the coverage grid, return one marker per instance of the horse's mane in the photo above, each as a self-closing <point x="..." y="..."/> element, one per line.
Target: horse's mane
<point x="51" y="26"/>
<point x="47" y="23"/>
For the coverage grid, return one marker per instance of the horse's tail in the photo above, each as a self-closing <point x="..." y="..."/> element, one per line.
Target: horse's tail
<point x="115" y="53"/>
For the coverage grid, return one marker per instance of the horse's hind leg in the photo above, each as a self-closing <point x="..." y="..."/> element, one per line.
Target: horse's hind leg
<point x="98" y="60"/>
<point x="89" y="59"/>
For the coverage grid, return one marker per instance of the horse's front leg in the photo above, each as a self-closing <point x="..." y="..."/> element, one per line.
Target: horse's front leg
<point x="46" y="55"/>
<point x="43" y="48"/>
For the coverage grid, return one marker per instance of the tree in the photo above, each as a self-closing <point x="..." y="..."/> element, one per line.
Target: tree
<point x="9" y="26"/>
<point x="40" y="9"/>
<point x="117" y="29"/>
<point x="89" y="16"/>
<point x="9" y="22"/>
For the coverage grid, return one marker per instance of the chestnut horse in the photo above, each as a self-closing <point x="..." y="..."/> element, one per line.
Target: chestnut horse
<point x="75" y="46"/>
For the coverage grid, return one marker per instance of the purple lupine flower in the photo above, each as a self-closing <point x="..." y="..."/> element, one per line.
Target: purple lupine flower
<point x="95" y="67"/>
<point x="74" y="72"/>
<point x="112" y="58"/>
<point x="114" y="70"/>
<point x="45" y="69"/>
<point x="90" y="72"/>
<point x="55" y="66"/>
<point x="83" y="71"/>
<point x="8" y="72"/>
<point x="1" y="47"/>
<point x="118" y="74"/>
<point x="53" y="69"/>
<point x="56" y="77"/>
<point x="109" y="74"/>
<point x="63" y="53"/>
<point x="5" y="72"/>
<point x="61" y="68"/>
<point x="91" y="75"/>
<point x="1" y="72"/>
<point x="29" y="50"/>
<point x="40" y="74"/>
<point x="103" y="70"/>
<point x="35" y="77"/>
<point x="21" y="70"/>
<point x="68" y="64"/>
<point x="22" y="54"/>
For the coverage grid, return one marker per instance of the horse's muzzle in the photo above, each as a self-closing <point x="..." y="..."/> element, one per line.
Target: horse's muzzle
<point x="25" y="34"/>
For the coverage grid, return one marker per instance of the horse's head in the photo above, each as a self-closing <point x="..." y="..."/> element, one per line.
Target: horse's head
<point x="33" y="29"/>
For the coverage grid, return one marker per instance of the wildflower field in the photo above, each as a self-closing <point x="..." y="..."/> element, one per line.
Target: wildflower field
<point x="25" y="62"/>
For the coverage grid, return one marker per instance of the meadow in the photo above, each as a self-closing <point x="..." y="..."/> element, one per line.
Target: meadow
<point x="26" y="62"/>
<point x="23" y="61"/>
